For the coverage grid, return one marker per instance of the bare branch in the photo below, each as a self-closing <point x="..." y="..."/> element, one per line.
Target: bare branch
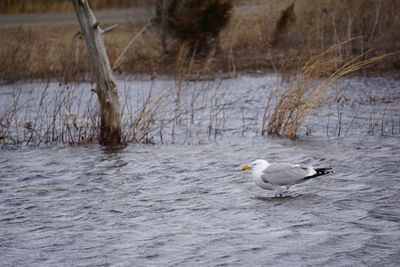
<point x="119" y="58"/>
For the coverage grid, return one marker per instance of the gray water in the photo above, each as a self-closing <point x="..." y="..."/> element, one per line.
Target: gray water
<point x="181" y="204"/>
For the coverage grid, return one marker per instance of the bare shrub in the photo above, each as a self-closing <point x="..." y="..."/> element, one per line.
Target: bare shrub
<point x="286" y="19"/>
<point x="195" y="22"/>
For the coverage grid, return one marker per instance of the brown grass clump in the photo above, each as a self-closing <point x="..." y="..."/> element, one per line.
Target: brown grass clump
<point x="306" y="93"/>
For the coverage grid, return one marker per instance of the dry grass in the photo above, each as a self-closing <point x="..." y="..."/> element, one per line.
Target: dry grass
<point x="42" y="6"/>
<point x="268" y="36"/>
<point x="33" y="53"/>
<point x="254" y="41"/>
<point x="307" y="91"/>
<point x="42" y="53"/>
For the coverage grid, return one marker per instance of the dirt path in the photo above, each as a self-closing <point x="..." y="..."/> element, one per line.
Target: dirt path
<point x="70" y="18"/>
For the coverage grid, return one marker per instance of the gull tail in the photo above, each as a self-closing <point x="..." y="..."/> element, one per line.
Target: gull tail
<point x="320" y="171"/>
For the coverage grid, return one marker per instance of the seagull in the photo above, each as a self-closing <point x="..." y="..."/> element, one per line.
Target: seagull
<point x="280" y="176"/>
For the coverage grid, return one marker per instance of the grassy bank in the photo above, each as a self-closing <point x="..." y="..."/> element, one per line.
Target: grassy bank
<point x="261" y="36"/>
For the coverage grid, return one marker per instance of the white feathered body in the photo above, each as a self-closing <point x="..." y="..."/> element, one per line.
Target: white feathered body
<point x="280" y="176"/>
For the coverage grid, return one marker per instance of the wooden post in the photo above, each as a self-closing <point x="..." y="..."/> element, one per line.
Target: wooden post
<point x="106" y="88"/>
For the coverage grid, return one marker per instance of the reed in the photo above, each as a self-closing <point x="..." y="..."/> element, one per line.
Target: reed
<point x="308" y="90"/>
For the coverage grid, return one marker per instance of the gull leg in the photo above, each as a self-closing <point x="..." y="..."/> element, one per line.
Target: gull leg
<point x="279" y="191"/>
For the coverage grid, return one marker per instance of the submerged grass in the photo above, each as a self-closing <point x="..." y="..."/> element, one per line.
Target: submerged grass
<point x="68" y="114"/>
<point x="43" y="116"/>
<point x="178" y="111"/>
<point x="308" y="90"/>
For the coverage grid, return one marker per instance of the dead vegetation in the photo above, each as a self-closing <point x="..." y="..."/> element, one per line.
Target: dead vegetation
<point x="47" y="115"/>
<point x="277" y="35"/>
<point x="28" y="55"/>
<point x="59" y="114"/>
<point x="42" y="6"/>
<point x="308" y="90"/>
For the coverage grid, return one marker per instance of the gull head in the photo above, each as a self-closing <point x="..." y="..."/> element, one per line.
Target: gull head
<point x="256" y="165"/>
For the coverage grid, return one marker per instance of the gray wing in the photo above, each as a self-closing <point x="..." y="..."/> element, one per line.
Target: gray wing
<point x="286" y="174"/>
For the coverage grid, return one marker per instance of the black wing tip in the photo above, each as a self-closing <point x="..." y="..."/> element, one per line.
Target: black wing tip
<point x="320" y="171"/>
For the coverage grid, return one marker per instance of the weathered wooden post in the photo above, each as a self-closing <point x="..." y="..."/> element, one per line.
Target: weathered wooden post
<point x="106" y="88"/>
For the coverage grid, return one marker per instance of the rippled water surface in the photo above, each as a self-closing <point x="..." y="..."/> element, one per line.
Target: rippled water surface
<point x="190" y="205"/>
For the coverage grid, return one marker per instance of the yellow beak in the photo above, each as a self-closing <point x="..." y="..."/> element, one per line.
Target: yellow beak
<point x="246" y="167"/>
